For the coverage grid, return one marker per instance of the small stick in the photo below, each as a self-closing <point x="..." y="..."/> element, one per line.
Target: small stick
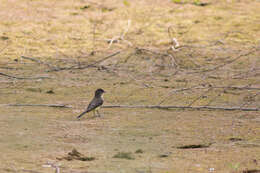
<point x="151" y="51"/>
<point x="201" y="87"/>
<point x="42" y="105"/>
<point x="225" y="63"/>
<point x="15" y="77"/>
<point x="249" y="102"/>
<point x="237" y="88"/>
<point x="38" y="61"/>
<point x="198" y="98"/>
<point x="1" y="50"/>
<point x="183" y="107"/>
<point x="86" y="66"/>
<point x="179" y="90"/>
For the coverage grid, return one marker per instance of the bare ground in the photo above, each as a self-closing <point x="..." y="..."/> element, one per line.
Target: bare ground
<point x="217" y="64"/>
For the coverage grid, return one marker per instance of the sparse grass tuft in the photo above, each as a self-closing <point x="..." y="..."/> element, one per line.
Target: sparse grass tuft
<point x="75" y="155"/>
<point x="124" y="155"/>
<point x="139" y="151"/>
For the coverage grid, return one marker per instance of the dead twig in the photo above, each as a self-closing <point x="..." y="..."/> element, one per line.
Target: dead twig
<point x="40" y="105"/>
<point x="251" y="72"/>
<point x="214" y="98"/>
<point x="236" y="88"/>
<point x="163" y="54"/>
<point x="226" y="63"/>
<point x="179" y="90"/>
<point x="222" y="92"/>
<point x="198" y="98"/>
<point x="206" y="87"/>
<point x="15" y="77"/>
<point x="29" y="171"/>
<point x="86" y="66"/>
<point x="120" y="37"/>
<point x="38" y="61"/>
<point x="1" y="50"/>
<point x="144" y="84"/>
<point x="183" y="107"/>
<point x="252" y="97"/>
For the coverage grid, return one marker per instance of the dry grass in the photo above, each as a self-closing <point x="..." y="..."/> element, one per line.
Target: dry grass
<point x="61" y="34"/>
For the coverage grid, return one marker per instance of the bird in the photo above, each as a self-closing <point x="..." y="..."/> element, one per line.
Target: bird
<point x="95" y="103"/>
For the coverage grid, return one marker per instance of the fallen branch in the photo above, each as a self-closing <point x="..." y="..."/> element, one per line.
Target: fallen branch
<point x="201" y="96"/>
<point x="250" y="73"/>
<point x="86" y="66"/>
<point x="231" y="61"/>
<point x="41" y="105"/>
<point x="38" y="61"/>
<point x="225" y="63"/>
<point x="237" y="88"/>
<point x="251" y="100"/>
<point x="147" y="106"/>
<point x="174" y="62"/>
<point x="183" y="107"/>
<point x="15" y="77"/>
<point x="206" y="87"/>
<point x="179" y="90"/>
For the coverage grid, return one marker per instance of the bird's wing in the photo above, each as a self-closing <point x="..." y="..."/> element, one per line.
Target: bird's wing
<point x="96" y="102"/>
<point x="92" y="105"/>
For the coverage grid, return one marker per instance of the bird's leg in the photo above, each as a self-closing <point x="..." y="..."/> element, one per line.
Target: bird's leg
<point x="98" y="113"/>
<point x="94" y="112"/>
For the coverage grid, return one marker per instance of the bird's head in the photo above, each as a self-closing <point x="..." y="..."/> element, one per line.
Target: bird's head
<point x="99" y="92"/>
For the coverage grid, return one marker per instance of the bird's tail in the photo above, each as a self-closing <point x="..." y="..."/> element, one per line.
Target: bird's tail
<point x="78" y="117"/>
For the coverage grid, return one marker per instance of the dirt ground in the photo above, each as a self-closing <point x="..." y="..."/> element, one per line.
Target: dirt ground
<point x="58" y="52"/>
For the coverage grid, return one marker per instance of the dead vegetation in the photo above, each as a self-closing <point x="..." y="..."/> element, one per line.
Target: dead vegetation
<point x="189" y="71"/>
<point x="124" y="155"/>
<point x="75" y="155"/>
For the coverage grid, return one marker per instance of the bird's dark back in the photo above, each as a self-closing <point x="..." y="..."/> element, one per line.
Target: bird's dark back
<point x="96" y="102"/>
